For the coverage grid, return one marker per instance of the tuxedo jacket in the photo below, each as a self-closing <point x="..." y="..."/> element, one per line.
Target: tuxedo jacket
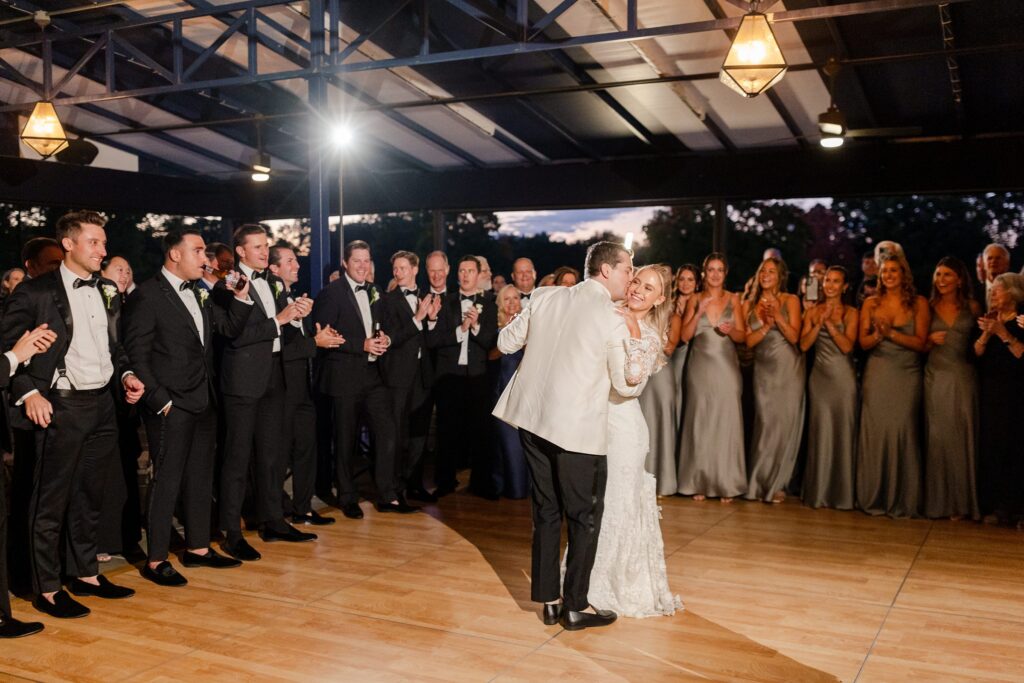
<point x="247" y="359"/>
<point x="342" y="368"/>
<point x="162" y="339"/>
<point x="298" y="351"/>
<point x="41" y="300"/>
<point x="408" y="351"/>
<point x="443" y="337"/>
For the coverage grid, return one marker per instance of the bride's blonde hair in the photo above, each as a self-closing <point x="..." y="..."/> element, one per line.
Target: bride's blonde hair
<point x="658" y="317"/>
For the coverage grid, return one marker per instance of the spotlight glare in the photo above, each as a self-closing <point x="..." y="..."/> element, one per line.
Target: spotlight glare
<point x="832" y="141"/>
<point x="341" y="135"/>
<point x="259" y="177"/>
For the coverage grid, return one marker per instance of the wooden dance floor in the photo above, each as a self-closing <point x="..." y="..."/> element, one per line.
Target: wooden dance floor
<point x="772" y="593"/>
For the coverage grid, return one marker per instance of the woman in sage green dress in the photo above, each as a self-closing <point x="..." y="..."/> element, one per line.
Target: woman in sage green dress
<point x="893" y="329"/>
<point x="773" y="332"/>
<point x="831" y="328"/>
<point x="951" y="396"/>
<point x="712" y="462"/>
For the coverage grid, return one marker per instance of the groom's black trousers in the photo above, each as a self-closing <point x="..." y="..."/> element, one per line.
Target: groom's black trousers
<point x="569" y="484"/>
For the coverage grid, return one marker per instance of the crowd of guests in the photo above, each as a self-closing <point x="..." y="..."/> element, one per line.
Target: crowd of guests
<point x="851" y="395"/>
<point x="236" y="381"/>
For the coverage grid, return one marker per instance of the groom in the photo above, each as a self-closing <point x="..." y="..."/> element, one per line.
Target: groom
<point x="558" y="399"/>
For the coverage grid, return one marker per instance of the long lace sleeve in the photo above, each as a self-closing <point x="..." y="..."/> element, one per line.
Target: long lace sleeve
<point x="642" y="358"/>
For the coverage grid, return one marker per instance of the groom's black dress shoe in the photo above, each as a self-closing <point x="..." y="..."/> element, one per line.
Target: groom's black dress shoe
<point x="12" y="628"/>
<point x="552" y="613"/>
<point x="104" y="589"/>
<point x="575" y="621"/>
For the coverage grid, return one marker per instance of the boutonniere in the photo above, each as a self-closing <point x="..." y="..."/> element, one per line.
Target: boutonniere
<point x="202" y="295"/>
<point x="479" y="308"/>
<point x="374" y="295"/>
<point x="108" y="292"/>
<point x="278" y="288"/>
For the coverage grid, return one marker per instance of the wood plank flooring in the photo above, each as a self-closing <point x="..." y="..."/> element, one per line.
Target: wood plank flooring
<point x="773" y="593"/>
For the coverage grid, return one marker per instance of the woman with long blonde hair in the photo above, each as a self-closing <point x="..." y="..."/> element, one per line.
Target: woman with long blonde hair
<point x="629" y="575"/>
<point x="894" y="331"/>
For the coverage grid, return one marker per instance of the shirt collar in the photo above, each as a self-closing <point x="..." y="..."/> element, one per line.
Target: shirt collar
<point x="352" y="283"/>
<point x="172" y="278"/>
<point x="69" y="277"/>
<point x="246" y="270"/>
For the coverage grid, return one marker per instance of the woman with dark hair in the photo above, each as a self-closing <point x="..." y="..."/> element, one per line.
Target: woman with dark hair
<point x="950" y="396"/>
<point x="830" y="327"/>
<point x="893" y="329"/>
<point x="1000" y="349"/>
<point x="661" y="401"/>
<point x="565" y="276"/>
<point x="773" y="332"/>
<point x="712" y="459"/>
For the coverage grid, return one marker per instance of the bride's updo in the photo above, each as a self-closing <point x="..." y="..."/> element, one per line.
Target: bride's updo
<point x="658" y="317"/>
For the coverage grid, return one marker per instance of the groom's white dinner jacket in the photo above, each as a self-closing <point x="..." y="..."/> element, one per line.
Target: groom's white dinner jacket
<point x="575" y="357"/>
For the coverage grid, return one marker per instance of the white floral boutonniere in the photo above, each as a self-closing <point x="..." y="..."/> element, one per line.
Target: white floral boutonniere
<point x="108" y="292"/>
<point x="479" y="308"/>
<point x="202" y="295"/>
<point x="277" y="289"/>
<point x="374" y="295"/>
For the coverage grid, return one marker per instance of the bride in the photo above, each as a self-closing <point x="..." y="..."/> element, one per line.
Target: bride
<point x="629" y="574"/>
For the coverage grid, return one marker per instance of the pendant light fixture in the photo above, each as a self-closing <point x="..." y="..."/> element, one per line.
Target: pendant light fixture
<point x="754" y="62"/>
<point x="43" y="132"/>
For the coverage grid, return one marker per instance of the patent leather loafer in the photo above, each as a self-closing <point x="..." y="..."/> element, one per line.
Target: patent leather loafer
<point x="313" y="518"/>
<point x="241" y="550"/>
<point x="211" y="559"/>
<point x="104" y="589"/>
<point x="163" y="575"/>
<point x="352" y="511"/>
<point x="12" y="628"/>
<point x="576" y="621"/>
<point x="552" y="614"/>
<point x="62" y="607"/>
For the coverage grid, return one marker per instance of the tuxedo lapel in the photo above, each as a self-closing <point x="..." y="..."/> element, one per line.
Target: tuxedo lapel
<point x="179" y="305"/>
<point x="62" y="302"/>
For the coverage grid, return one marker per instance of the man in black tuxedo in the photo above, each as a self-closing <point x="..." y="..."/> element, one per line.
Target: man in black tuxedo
<point x="67" y="393"/>
<point x="252" y="383"/>
<point x="29" y="345"/>
<point x="169" y="329"/>
<point x="298" y="350"/>
<point x="465" y="330"/>
<point x="408" y="370"/>
<point x="351" y="376"/>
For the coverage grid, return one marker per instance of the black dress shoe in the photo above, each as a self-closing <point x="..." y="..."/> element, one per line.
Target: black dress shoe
<point x="575" y="621"/>
<point x="552" y="613"/>
<point x="163" y="575"/>
<point x="62" y="607"/>
<point x="12" y="628"/>
<point x="104" y="589"/>
<point x="240" y="550"/>
<point x="285" y="533"/>
<point x="313" y="518"/>
<point x="352" y="511"/>
<point x="421" y="494"/>
<point x="400" y="507"/>
<point x="211" y="559"/>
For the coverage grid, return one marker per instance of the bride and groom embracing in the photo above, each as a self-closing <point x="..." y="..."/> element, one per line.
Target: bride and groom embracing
<point x="573" y="400"/>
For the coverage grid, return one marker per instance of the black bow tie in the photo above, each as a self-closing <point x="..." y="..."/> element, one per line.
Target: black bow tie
<point x="365" y="287"/>
<point x="525" y="295"/>
<point x="259" y="275"/>
<point x="470" y="297"/>
<point x="187" y="284"/>
<point x="91" y="282"/>
<point x="407" y="292"/>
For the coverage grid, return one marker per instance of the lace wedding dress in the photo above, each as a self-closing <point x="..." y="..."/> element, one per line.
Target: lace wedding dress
<point x="629" y="574"/>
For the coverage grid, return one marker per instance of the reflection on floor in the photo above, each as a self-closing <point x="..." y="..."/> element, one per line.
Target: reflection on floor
<point x="772" y="593"/>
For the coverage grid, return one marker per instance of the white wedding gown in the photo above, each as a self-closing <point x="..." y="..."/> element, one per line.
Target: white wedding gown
<point x="629" y="574"/>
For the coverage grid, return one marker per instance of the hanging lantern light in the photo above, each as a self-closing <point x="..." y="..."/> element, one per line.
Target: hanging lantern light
<point x="43" y="132"/>
<point x="754" y="62"/>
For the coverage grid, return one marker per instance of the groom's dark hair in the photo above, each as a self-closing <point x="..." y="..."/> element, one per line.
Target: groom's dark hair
<point x="601" y="253"/>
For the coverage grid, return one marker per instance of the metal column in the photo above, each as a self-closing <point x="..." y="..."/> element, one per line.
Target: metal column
<point x="319" y="157"/>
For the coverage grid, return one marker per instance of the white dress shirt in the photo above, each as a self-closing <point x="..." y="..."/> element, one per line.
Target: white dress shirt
<point x="188" y="297"/>
<point x="414" y="304"/>
<point x="87" y="360"/>
<point x="262" y="289"/>
<point x="363" y="302"/>
<point x="461" y="335"/>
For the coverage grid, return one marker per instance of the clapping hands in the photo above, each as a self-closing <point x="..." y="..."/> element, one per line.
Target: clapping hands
<point x="327" y="337"/>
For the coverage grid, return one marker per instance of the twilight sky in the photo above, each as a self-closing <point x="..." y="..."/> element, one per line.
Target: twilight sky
<point x="574" y="225"/>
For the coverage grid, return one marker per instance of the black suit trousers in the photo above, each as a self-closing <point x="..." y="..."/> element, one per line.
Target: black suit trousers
<point x="367" y="396"/>
<point x="254" y="426"/>
<point x="74" y="456"/>
<point x="19" y="558"/>
<point x="5" y="598"/>
<point x="569" y="484"/>
<point x="411" y="409"/>
<point x="463" y="404"/>
<point x="183" y="449"/>
<point x="300" y="439"/>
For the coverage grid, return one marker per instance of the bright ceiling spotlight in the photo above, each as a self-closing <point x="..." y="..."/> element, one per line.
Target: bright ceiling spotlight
<point x="754" y="62"/>
<point x="43" y="132"/>
<point x="832" y="141"/>
<point x="261" y="168"/>
<point x="341" y="135"/>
